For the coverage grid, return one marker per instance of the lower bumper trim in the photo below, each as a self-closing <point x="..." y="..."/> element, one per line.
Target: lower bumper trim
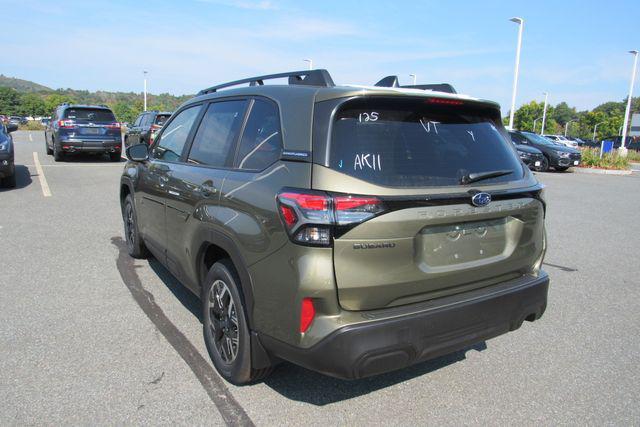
<point x="371" y="348"/>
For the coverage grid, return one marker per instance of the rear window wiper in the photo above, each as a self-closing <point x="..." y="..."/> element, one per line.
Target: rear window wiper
<point x="479" y="176"/>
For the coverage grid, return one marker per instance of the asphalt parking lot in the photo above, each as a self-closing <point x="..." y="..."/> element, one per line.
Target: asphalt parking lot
<point x="90" y="336"/>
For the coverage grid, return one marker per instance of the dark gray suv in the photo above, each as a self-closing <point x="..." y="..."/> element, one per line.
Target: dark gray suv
<point x="351" y="230"/>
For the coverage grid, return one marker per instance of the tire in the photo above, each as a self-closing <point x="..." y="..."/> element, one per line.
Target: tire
<point x="544" y="166"/>
<point x="114" y="157"/>
<point x="221" y="304"/>
<point x="9" y="182"/>
<point x="561" y="169"/>
<point x="57" y="155"/>
<point x="49" y="150"/>
<point x="135" y="244"/>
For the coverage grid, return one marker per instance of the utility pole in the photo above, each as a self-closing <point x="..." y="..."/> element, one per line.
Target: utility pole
<point x="414" y="78"/>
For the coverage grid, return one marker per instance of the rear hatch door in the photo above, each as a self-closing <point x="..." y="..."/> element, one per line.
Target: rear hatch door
<point x="428" y="238"/>
<point x="93" y="125"/>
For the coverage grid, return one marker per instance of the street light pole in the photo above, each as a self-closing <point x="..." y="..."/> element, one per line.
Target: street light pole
<point x="544" y="112"/>
<point x="310" y="61"/>
<point x="623" y="149"/>
<point x="145" y="90"/>
<point x="594" y="130"/>
<point x="520" y="23"/>
<point x="534" y="124"/>
<point x="414" y="78"/>
<point x="566" y="126"/>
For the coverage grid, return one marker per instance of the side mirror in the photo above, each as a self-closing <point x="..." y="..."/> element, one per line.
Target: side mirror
<point x="12" y="127"/>
<point x="138" y="152"/>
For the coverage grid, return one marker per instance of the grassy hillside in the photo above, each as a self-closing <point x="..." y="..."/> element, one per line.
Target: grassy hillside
<point x="22" y="85"/>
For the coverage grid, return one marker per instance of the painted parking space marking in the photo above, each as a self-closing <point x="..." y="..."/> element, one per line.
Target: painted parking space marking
<point x="46" y="192"/>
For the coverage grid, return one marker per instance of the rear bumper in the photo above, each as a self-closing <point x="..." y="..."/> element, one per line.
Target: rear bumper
<point x="91" y="146"/>
<point x="443" y="326"/>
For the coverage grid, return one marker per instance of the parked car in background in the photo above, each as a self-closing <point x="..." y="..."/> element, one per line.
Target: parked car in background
<point x="363" y="239"/>
<point x="556" y="155"/>
<point x="561" y="140"/>
<point x="45" y="121"/>
<point x="3" y="119"/>
<point x="530" y="156"/>
<point x="7" y="166"/>
<point x="83" y="129"/>
<point x="145" y="127"/>
<point x="16" y="120"/>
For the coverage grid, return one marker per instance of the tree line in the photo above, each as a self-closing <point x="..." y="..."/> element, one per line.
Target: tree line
<point x="125" y="105"/>
<point x="608" y="116"/>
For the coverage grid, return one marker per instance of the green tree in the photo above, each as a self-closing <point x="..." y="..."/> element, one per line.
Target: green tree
<point x="55" y="99"/>
<point x="562" y="113"/>
<point x="32" y="105"/>
<point x="9" y="101"/>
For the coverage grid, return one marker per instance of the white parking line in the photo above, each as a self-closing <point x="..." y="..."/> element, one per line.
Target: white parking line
<point x="43" y="181"/>
<point x="30" y="137"/>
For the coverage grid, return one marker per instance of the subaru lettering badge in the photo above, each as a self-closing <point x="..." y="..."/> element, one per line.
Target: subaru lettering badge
<point x="481" y="199"/>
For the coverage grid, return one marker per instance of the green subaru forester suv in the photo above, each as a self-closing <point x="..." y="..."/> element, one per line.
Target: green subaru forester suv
<point x="352" y="230"/>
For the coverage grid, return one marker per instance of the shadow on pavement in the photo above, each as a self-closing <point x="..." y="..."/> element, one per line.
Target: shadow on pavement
<point x="300" y="384"/>
<point x="23" y="178"/>
<point x="185" y="296"/>
<point x="297" y="383"/>
<point x="89" y="158"/>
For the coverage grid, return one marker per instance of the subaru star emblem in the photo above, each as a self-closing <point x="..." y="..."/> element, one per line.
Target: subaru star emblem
<point x="481" y="199"/>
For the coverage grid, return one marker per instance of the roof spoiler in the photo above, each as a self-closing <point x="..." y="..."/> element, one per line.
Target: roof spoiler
<point x="392" y="81"/>
<point x="319" y="77"/>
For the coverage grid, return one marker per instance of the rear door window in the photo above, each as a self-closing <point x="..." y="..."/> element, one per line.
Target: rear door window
<point x="261" y="143"/>
<point x="175" y="135"/>
<point x="214" y="141"/>
<point x="93" y="115"/>
<point x="161" y="119"/>
<point x="418" y="143"/>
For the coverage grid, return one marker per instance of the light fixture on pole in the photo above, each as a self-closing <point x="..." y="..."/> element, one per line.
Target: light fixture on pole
<point x="414" y="78"/>
<point x="594" y="130"/>
<point x="310" y="61"/>
<point x="145" y="89"/>
<point x="520" y="23"/>
<point x="544" y="112"/>
<point x="534" y="124"/>
<point x="566" y="126"/>
<point x="623" y="149"/>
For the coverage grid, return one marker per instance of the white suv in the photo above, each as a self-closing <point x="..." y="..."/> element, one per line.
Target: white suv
<point x="559" y="139"/>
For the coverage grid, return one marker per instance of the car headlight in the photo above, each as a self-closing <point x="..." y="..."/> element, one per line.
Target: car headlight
<point x="562" y="153"/>
<point x="4" y="146"/>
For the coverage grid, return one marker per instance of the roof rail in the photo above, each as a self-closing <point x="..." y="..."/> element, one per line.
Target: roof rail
<point x="392" y="81"/>
<point x="318" y="77"/>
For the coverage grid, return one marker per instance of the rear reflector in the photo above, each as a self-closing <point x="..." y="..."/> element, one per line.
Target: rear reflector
<point x="307" y="313"/>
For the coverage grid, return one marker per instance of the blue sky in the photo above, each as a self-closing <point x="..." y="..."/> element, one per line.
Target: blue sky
<point x="575" y="50"/>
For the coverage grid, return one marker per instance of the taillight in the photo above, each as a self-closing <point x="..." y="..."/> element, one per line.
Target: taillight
<point x="66" y="123"/>
<point x="307" y="313"/>
<point x="114" y="125"/>
<point x="314" y="217"/>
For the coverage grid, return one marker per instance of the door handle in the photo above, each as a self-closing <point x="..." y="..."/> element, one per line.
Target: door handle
<point x="207" y="190"/>
<point x="163" y="180"/>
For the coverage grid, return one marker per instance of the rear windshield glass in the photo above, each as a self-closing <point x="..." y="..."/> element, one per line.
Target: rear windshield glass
<point x="416" y="143"/>
<point x="162" y="118"/>
<point x="94" y="115"/>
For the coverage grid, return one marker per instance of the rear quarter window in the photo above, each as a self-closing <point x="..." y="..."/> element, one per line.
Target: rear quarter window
<point x="414" y="143"/>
